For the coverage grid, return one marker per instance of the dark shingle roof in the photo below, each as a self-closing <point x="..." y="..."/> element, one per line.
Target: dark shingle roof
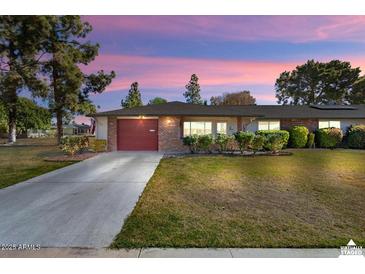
<point x="267" y="111"/>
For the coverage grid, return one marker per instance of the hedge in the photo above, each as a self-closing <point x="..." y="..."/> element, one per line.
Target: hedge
<point x="298" y="136"/>
<point x="282" y="133"/>
<point x="329" y="137"/>
<point x="274" y="142"/>
<point x="356" y="136"/>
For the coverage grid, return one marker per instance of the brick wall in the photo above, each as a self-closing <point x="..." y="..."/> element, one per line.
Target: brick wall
<point x="112" y="133"/>
<point x="311" y="124"/>
<point x="169" y="134"/>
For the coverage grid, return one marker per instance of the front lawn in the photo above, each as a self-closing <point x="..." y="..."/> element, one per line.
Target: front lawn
<point x="26" y="160"/>
<point x="314" y="198"/>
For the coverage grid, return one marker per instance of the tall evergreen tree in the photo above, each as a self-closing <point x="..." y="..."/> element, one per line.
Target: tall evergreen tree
<point x="21" y="48"/>
<point x="192" y="93"/>
<point x="358" y="92"/>
<point x="69" y="86"/>
<point x="317" y="83"/>
<point x="133" y="99"/>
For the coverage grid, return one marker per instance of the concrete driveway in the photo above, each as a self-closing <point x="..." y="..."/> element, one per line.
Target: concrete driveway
<point x="82" y="205"/>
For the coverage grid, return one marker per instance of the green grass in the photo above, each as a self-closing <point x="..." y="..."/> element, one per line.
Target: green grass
<point x="314" y="198"/>
<point x="19" y="163"/>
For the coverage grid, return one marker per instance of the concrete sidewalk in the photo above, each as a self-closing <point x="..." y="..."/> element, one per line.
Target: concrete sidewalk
<point x="175" y="253"/>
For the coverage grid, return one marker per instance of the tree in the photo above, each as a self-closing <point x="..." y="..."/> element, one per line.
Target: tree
<point x="235" y="98"/>
<point x="29" y="116"/>
<point x="192" y="93"/>
<point x="133" y="99"/>
<point x="3" y="118"/>
<point x="317" y="83"/>
<point x="157" y="101"/>
<point x="69" y="86"/>
<point x="357" y="95"/>
<point x="21" y="48"/>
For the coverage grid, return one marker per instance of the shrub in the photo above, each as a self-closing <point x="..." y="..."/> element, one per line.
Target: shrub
<point x="232" y="145"/>
<point x="222" y="141"/>
<point x="244" y="139"/>
<point x="99" y="145"/>
<point x="274" y="142"/>
<point x="258" y="143"/>
<point x="192" y="142"/>
<point x="73" y="144"/>
<point x="310" y="142"/>
<point x="298" y="136"/>
<point x="204" y="142"/>
<point x="283" y="133"/>
<point x="329" y="137"/>
<point x="356" y="136"/>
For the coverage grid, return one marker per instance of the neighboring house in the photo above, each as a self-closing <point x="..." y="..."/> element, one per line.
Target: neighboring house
<point x="161" y="127"/>
<point x="76" y="129"/>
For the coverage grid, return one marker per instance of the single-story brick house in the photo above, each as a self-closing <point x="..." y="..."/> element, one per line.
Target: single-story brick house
<point x="161" y="127"/>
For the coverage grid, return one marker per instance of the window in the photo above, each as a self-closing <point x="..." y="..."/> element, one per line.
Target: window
<point x="327" y="124"/>
<point x="269" y="125"/>
<point x="199" y="128"/>
<point x="222" y="128"/>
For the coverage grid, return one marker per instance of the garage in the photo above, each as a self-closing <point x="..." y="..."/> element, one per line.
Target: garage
<point x="137" y="134"/>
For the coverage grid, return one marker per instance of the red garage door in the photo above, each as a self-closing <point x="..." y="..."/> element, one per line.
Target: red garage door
<point x="137" y="134"/>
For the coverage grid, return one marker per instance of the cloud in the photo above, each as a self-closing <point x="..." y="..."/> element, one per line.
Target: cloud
<point x="165" y="72"/>
<point x="242" y="28"/>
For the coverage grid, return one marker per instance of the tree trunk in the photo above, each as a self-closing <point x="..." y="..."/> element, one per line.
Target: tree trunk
<point x="59" y="126"/>
<point x="12" y="124"/>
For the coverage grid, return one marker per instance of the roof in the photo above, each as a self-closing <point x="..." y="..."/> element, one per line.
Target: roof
<point x="76" y="126"/>
<point x="266" y="111"/>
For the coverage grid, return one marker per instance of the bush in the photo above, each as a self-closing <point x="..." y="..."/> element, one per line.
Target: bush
<point x="258" y="143"/>
<point x="99" y="145"/>
<point x="244" y="139"/>
<point x="192" y="142"/>
<point x="232" y="145"/>
<point x="310" y="142"/>
<point x="74" y="144"/>
<point x="274" y="142"/>
<point x="356" y="136"/>
<point x="329" y="137"/>
<point x="298" y="136"/>
<point x="283" y="134"/>
<point x="222" y="141"/>
<point x="204" y="142"/>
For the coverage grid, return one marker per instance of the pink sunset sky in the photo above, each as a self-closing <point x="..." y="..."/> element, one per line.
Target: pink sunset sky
<point x="228" y="53"/>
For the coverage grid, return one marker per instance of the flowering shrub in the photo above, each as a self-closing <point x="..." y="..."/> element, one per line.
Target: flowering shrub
<point x="74" y="144"/>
